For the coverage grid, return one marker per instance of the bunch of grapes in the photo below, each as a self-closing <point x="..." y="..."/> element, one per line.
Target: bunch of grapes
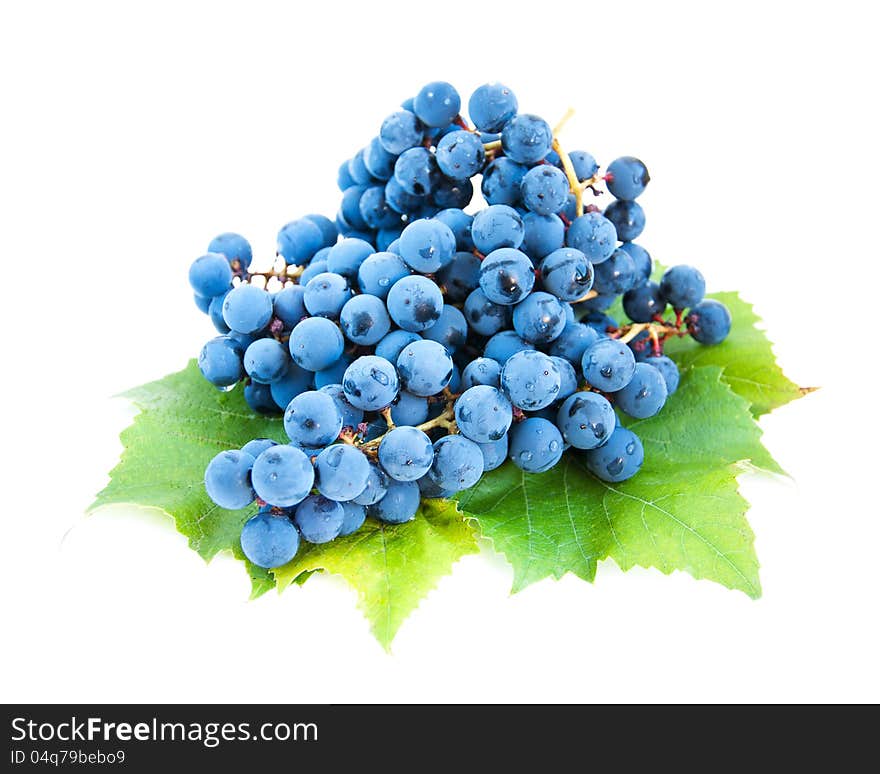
<point x="412" y="347"/>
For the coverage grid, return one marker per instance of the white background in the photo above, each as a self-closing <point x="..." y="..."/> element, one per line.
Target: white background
<point x="134" y="132"/>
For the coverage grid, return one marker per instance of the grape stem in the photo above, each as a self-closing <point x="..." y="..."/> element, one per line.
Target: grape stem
<point x="656" y="330"/>
<point x="289" y="272"/>
<point x="586" y="296"/>
<point x="573" y="182"/>
<point x="569" y="114"/>
<point x="489" y="147"/>
<point x="446" y="420"/>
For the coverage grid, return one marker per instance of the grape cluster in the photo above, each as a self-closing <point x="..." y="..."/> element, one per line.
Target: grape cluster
<point x="412" y="347"/>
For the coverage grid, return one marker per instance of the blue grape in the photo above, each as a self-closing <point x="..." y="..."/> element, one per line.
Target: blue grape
<point x="497" y="226"/>
<point x="501" y="182"/>
<point x="316" y="343"/>
<point x="399" y="504"/>
<point x="460" y="276"/>
<point x="526" y="138"/>
<point x="353" y="518"/>
<point x="342" y="472"/>
<point x="220" y="362"/>
<point x="351" y="416"/>
<point x="568" y="379"/>
<point x="370" y="383"/>
<point x="585" y="166"/>
<point x="594" y="235"/>
<point x="542" y="234"/>
<point x="228" y="479"/>
<point x="359" y="172"/>
<point x="628" y="219"/>
<point x="416" y="171"/>
<point x="319" y="519"/>
<point x="451" y="194"/>
<point x="202" y="302"/>
<point x="458" y="463"/>
<point x="294" y="381"/>
<point x="426" y="245"/>
<point x="481" y="370"/>
<point x="586" y="420"/>
<point x="210" y="275"/>
<point x="503" y="345"/>
<point x="247" y="309"/>
<point x="378" y="161"/>
<point x="545" y="189"/>
<point x="351" y="209"/>
<point x="535" y="445"/>
<point x="506" y="276"/>
<point x="425" y="368"/>
<point x="530" y="379"/>
<point x="484" y="316"/>
<point x="491" y="106"/>
<point x="409" y="409"/>
<point x="460" y="155"/>
<point x="494" y="453"/>
<point x="332" y="374"/>
<point x="627" y="178"/>
<point x="329" y="232"/>
<point x="600" y="322"/>
<point x="235" y="247"/>
<point x="406" y="453"/>
<point x="645" y="394"/>
<point x="343" y="177"/>
<point x="483" y="414"/>
<point x="316" y="267"/>
<point x="430" y="491"/>
<point x="386" y="237"/>
<point x="540" y="318"/>
<point x="644" y="303"/>
<point x="709" y="322"/>
<point x="326" y="294"/>
<point x="376" y="211"/>
<point x="299" y="240"/>
<point x="377" y="485"/>
<point x="682" y="286"/>
<point x="215" y="312"/>
<point x="346" y="256"/>
<point x="415" y="303"/>
<point x="257" y="446"/>
<point x="288" y="305"/>
<point x="282" y="475"/>
<point x="269" y="540"/>
<point x="455" y="380"/>
<point x="618" y="459"/>
<point x="450" y="330"/>
<point x="616" y="275"/>
<point x="400" y="132"/>
<point x="266" y="360"/>
<point x="401" y="200"/>
<point x="312" y="419"/>
<point x="608" y="365"/>
<point x="599" y="303"/>
<point x="364" y="320"/>
<point x="668" y="369"/>
<point x="642" y="261"/>
<point x="379" y="272"/>
<point x="641" y="345"/>
<point x="391" y="346"/>
<point x="571" y="343"/>
<point x="459" y="223"/>
<point x="259" y="399"/>
<point x="437" y="104"/>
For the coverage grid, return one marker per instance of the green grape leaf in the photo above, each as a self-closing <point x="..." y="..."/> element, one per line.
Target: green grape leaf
<point x="746" y="356"/>
<point x="682" y="511"/>
<point x="183" y="422"/>
<point x="391" y="566"/>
